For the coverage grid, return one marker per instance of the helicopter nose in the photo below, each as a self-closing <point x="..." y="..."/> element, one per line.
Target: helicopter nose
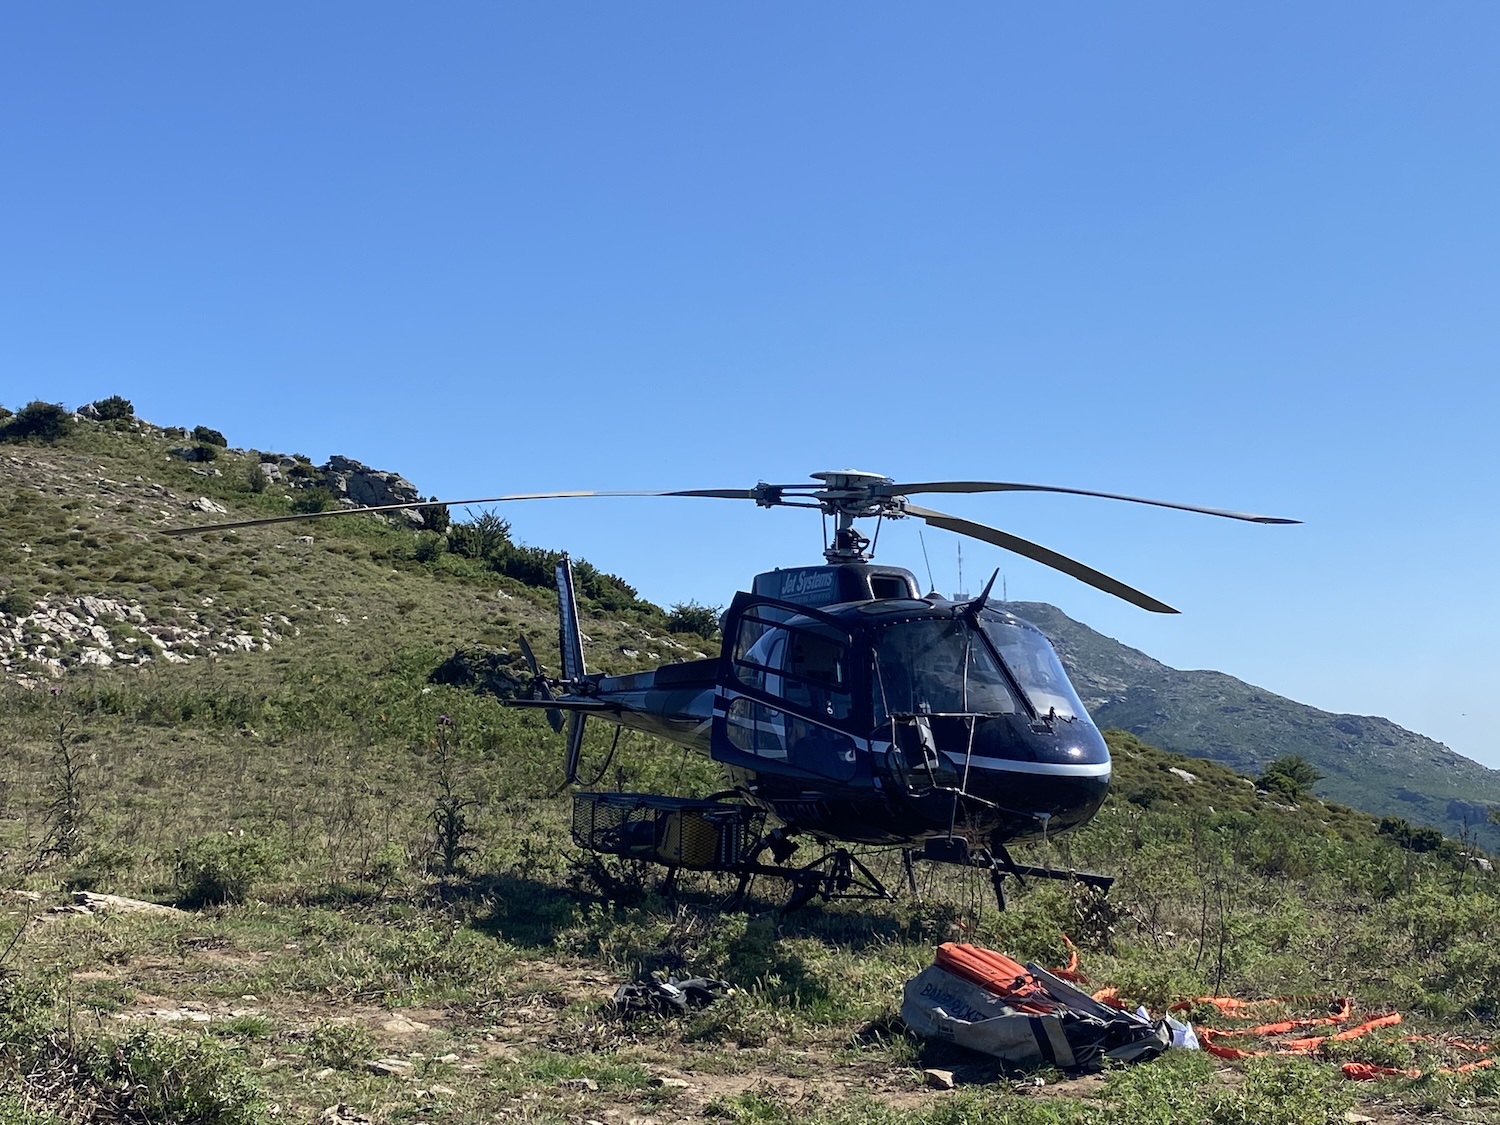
<point x="1040" y="780"/>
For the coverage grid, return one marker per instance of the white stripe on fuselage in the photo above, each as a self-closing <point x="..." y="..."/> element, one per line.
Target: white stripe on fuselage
<point x="1011" y="765"/>
<point x="1055" y="769"/>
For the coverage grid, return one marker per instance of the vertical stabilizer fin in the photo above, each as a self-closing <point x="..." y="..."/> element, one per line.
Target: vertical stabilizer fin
<point x="570" y="639"/>
<point x="575" y="745"/>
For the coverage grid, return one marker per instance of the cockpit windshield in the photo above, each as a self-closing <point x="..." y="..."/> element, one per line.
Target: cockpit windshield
<point x="1032" y="662"/>
<point x="936" y="666"/>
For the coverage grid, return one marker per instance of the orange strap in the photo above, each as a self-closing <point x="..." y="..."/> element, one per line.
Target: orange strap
<point x="1071" y="972"/>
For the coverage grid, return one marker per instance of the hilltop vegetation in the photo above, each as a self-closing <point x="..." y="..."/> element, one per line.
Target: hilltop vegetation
<point x="372" y="863"/>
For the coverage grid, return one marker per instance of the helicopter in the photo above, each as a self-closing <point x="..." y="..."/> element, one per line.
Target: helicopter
<point x="844" y="706"/>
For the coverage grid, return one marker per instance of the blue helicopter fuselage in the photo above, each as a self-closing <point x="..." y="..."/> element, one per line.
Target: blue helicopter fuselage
<point x="879" y="719"/>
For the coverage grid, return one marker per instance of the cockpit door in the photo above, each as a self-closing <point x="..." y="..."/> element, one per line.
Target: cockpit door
<point x="786" y="697"/>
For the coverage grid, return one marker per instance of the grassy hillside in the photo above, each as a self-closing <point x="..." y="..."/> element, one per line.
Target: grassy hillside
<point x="366" y="864"/>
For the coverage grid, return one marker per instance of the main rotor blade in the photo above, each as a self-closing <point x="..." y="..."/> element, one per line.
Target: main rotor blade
<point x="1008" y="486"/>
<point x="714" y="493"/>
<point x="1043" y="555"/>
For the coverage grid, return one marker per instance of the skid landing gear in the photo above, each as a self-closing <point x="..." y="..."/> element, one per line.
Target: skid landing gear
<point x="837" y="874"/>
<point x="955" y="850"/>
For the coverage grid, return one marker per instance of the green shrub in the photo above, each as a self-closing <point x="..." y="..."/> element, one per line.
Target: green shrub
<point x="1290" y="777"/>
<point x="487" y="536"/>
<point x="344" y="1046"/>
<point x="690" y="617"/>
<point x="209" y="436"/>
<point x="313" y="500"/>
<point x="113" y="408"/>
<point x="15" y="602"/>
<point x="436" y="518"/>
<point x="45" y="421"/>
<point x="429" y="547"/>
<point x="179" y="1080"/>
<point x="217" y="869"/>
<point x="206" y="451"/>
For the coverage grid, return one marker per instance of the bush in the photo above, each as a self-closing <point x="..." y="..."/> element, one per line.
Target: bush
<point x="344" y="1046"/>
<point x="1290" y="777"/>
<point x="205" y="451"/>
<point x="487" y="536"/>
<point x="436" y="518"/>
<point x="174" y="1078"/>
<point x="313" y="500"/>
<point x="45" y="421"/>
<point x="113" y="408"/>
<point x="255" y="480"/>
<point x="690" y="617"/>
<point x="16" y="603"/>
<point x="219" y="869"/>
<point x="209" y="436"/>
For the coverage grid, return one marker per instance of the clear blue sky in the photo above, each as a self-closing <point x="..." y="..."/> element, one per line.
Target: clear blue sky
<point x="1245" y="256"/>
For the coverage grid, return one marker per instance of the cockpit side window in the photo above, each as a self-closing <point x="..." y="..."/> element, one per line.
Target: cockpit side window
<point x="807" y="666"/>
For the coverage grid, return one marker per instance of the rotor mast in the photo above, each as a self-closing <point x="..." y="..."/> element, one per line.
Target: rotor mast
<point x="848" y="495"/>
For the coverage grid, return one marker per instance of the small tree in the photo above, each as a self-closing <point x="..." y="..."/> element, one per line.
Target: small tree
<point x="690" y="617"/>
<point x="45" y="421"/>
<point x="113" y="408"/>
<point x="436" y="518"/>
<point x="486" y="537"/>
<point x="1291" y="776"/>
<point x="209" y="436"/>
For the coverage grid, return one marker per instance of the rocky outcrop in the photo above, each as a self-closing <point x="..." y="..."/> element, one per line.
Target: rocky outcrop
<point x="62" y="633"/>
<point x="352" y="482"/>
<point x="359" y="486"/>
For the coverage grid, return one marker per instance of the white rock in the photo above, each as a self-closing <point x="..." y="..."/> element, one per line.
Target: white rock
<point x="393" y="1068"/>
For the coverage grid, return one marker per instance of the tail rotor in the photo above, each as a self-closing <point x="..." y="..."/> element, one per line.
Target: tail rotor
<point x="541" y="687"/>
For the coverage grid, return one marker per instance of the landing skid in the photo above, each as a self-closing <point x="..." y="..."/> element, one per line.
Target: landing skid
<point x="955" y="850"/>
<point x="729" y="838"/>
<point x="838" y="874"/>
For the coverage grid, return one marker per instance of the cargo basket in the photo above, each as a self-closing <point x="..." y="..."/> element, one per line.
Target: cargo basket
<point x="703" y="835"/>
